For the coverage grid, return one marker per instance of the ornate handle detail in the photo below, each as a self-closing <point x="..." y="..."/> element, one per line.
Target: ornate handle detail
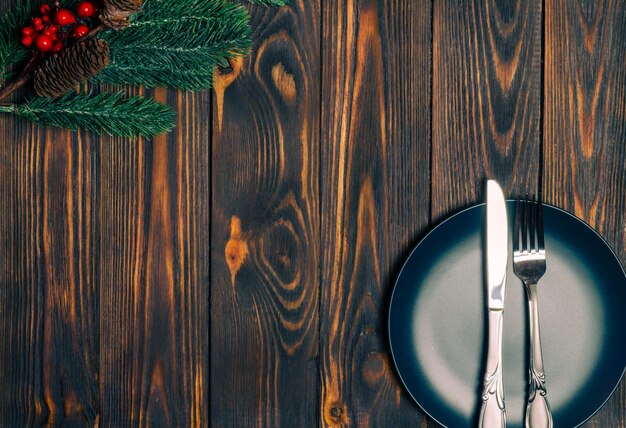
<point x="492" y="412"/>
<point x="538" y="413"/>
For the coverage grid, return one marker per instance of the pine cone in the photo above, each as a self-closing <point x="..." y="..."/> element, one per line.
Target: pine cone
<point x="73" y="66"/>
<point x="115" y="13"/>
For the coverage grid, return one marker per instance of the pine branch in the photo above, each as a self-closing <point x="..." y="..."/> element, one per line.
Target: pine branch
<point x="180" y="8"/>
<point x="177" y="43"/>
<point x="11" y="50"/>
<point x="274" y="3"/>
<point x="108" y="113"/>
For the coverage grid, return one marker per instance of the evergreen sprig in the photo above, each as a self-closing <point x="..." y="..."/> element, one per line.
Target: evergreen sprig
<point x="108" y="113"/>
<point x="171" y="43"/>
<point x="274" y="3"/>
<point x="177" y="43"/>
<point x="11" y="50"/>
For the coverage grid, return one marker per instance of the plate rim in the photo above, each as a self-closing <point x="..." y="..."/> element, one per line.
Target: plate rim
<point x="432" y="230"/>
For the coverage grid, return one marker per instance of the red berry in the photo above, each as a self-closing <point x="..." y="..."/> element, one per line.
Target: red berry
<point x="28" y="31"/>
<point x="53" y="28"/>
<point x="85" y="9"/>
<point x="45" y="9"/>
<point x="58" y="47"/>
<point x="27" y="41"/>
<point x="46" y="19"/>
<point x="80" y="31"/>
<point x="64" y="17"/>
<point x="48" y="32"/>
<point x="37" y="24"/>
<point x="43" y="43"/>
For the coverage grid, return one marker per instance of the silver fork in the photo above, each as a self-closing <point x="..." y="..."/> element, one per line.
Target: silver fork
<point x="529" y="264"/>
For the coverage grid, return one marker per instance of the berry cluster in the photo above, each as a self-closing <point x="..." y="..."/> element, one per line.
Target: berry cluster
<point x="51" y="31"/>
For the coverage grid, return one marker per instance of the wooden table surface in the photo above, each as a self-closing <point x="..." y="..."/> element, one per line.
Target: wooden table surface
<point x="237" y="271"/>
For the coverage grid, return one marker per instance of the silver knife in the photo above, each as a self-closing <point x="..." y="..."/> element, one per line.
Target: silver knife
<point x="492" y="413"/>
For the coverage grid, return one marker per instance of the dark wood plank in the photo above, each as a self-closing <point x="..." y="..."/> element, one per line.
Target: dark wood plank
<point x="21" y="290"/>
<point x="48" y="298"/>
<point x="374" y="184"/>
<point x="48" y="304"/>
<point x="585" y="128"/>
<point x="486" y="100"/>
<point x="71" y="320"/>
<point x="154" y="272"/>
<point x="265" y="226"/>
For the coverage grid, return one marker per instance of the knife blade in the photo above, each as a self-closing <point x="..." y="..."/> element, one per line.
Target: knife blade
<point x="492" y="413"/>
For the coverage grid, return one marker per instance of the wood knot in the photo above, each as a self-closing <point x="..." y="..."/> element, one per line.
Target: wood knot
<point x="279" y="245"/>
<point x="336" y="414"/>
<point x="227" y="69"/>
<point x="374" y="369"/>
<point x="222" y="80"/>
<point x="236" y="249"/>
<point x="227" y="74"/>
<point x="285" y="83"/>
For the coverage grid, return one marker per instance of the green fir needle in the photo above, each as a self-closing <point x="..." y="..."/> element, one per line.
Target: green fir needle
<point x="170" y="43"/>
<point x="108" y="113"/>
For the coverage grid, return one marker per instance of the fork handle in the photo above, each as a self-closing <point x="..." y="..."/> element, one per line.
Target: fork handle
<point x="492" y="413"/>
<point x="538" y="413"/>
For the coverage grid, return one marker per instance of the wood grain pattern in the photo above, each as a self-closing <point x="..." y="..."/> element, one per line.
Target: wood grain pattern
<point x="237" y="271"/>
<point x="585" y="128"/>
<point x="486" y="100"/>
<point x="374" y="186"/>
<point x="49" y="315"/>
<point x="154" y="270"/>
<point x="265" y="226"/>
<point x="21" y="293"/>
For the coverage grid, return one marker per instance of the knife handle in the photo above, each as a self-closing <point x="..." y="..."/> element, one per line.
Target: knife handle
<point x="492" y="413"/>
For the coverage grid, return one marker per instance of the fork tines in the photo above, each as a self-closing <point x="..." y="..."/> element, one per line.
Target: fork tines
<point x="528" y="231"/>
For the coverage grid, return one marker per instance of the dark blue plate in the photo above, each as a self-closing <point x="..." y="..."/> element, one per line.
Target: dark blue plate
<point x="437" y="321"/>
